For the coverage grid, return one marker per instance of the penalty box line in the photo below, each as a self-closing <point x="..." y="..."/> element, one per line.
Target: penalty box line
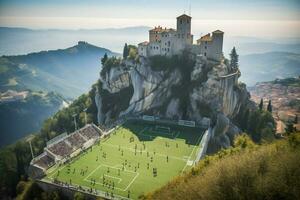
<point x="92" y="172"/>
<point x="144" y="151"/>
<point x="157" y="132"/>
<point x="196" y="146"/>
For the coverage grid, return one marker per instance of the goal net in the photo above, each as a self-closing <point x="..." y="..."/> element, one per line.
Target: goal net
<point x="162" y="129"/>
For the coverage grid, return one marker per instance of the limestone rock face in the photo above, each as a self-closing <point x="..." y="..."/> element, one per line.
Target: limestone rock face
<point x="212" y="91"/>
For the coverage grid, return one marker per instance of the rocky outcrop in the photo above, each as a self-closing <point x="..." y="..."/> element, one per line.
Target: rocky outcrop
<point x="207" y="89"/>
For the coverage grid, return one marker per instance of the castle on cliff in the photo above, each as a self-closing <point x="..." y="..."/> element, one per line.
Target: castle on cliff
<point x="169" y="42"/>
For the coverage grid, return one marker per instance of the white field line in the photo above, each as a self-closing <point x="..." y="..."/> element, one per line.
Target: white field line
<point x="143" y="130"/>
<point x="132" y="181"/>
<point x="178" y="133"/>
<point x="119" y="168"/>
<point x="146" y="135"/>
<point x="113" y="177"/>
<point x="121" y="189"/>
<point x="141" y="133"/>
<point x="191" y="154"/>
<point x="136" y="175"/>
<point x="87" y="188"/>
<point x="54" y="167"/>
<point x="57" y="170"/>
<point x="168" y="134"/>
<point x="132" y="150"/>
<point x="92" y="172"/>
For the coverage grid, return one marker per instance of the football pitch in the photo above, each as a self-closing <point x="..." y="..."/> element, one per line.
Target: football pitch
<point x="135" y="159"/>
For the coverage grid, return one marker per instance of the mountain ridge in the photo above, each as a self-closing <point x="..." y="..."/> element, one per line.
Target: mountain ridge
<point x="54" y="70"/>
<point x="268" y="66"/>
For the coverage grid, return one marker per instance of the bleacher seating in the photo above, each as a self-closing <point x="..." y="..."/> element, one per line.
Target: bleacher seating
<point x="44" y="161"/>
<point x="89" y="131"/>
<point x="61" y="148"/>
<point x="76" y="140"/>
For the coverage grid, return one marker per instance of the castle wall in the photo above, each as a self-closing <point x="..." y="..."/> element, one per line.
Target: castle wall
<point x="154" y="48"/>
<point x="206" y="49"/>
<point x="154" y="35"/>
<point x="217" y="46"/>
<point x="142" y="50"/>
<point x="168" y="42"/>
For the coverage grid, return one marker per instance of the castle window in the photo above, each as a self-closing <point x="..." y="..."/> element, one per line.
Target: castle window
<point x="205" y="47"/>
<point x="188" y="21"/>
<point x="168" y="49"/>
<point x="205" y="54"/>
<point x="181" y="21"/>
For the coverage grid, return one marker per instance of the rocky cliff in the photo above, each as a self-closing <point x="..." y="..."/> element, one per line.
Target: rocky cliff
<point x="189" y="87"/>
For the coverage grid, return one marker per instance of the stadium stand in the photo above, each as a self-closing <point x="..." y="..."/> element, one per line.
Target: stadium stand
<point x="76" y="140"/>
<point x="61" y="148"/>
<point x="44" y="161"/>
<point x="89" y="131"/>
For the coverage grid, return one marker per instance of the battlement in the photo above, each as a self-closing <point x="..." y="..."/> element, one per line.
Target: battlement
<point x="169" y="41"/>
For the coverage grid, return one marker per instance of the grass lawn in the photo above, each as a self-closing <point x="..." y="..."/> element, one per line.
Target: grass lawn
<point x="124" y="163"/>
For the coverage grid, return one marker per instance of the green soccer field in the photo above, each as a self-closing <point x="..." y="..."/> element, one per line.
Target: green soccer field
<point x="135" y="159"/>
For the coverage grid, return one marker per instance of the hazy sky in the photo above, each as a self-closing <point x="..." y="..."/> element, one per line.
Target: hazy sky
<point x="278" y="18"/>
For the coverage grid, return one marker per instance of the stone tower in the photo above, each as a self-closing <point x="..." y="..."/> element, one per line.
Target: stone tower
<point x="183" y="37"/>
<point x="217" y="45"/>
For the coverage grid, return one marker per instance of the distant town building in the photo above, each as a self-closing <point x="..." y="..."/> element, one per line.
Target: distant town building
<point x="11" y="96"/>
<point x="168" y="41"/>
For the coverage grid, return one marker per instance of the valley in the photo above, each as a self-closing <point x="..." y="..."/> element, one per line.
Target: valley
<point x="285" y="97"/>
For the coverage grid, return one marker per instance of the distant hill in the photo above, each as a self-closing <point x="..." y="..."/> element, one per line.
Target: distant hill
<point x="254" y="45"/>
<point x="285" y="97"/>
<point x="22" y="117"/>
<point x="15" y="41"/>
<point x="69" y="72"/>
<point x="269" y="66"/>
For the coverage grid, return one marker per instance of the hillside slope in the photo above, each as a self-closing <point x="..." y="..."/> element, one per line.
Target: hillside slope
<point x="269" y="66"/>
<point x="285" y="97"/>
<point x="22" y="117"/>
<point x="246" y="171"/>
<point x="69" y="72"/>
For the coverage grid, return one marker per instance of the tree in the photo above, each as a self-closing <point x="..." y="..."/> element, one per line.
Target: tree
<point x="234" y="59"/>
<point x="244" y="121"/>
<point x="78" y="196"/>
<point x="261" y="104"/>
<point x="289" y="128"/>
<point x="125" y="51"/>
<point x="133" y="52"/>
<point x="269" y="108"/>
<point x="104" y="59"/>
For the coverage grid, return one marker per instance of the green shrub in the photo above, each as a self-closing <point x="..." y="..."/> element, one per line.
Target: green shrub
<point x="269" y="171"/>
<point x="109" y="64"/>
<point x="259" y="124"/>
<point x="133" y="53"/>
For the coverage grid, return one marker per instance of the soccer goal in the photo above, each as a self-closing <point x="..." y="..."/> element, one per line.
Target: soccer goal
<point x="163" y="129"/>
